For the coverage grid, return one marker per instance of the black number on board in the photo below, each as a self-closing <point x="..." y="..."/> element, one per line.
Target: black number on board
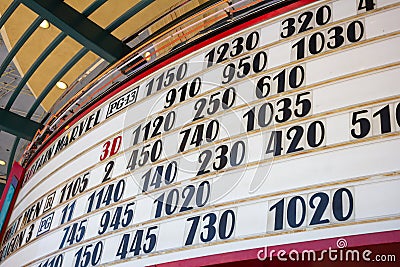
<point x="67" y="212"/>
<point x="279" y="111"/>
<point x="200" y="134"/>
<point x="108" y="171"/>
<point x="222" y="158"/>
<point x="89" y="255"/>
<point x="382" y="120"/>
<point x="186" y="91"/>
<point x="73" y="233"/>
<point x="285" y="80"/>
<point x="366" y="5"/>
<point x="74" y="187"/>
<point x="305" y="21"/>
<point x="180" y="200"/>
<point x="148" y="153"/>
<point x="222" y="227"/>
<point x="335" y="37"/>
<point x="314" y="134"/>
<point x="106" y="195"/>
<point x="56" y="261"/>
<point x="163" y="175"/>
<point x="295" y="212"/>
<point x="238" y="46"/>
<point x="165" y="79"/>
<point x="216" y="102"/>
<point x="138" y="242"/>
<point x="120" y="217"/>
<point x="29" y="233"/>
<point x="323" y="201"/>
<point x="245" y="66"/>
<point x="160" y="124"/>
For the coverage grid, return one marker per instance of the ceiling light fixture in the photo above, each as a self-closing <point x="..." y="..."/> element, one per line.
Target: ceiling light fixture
<point x="45" y="24"/>
<point x="62" y="85"/>
<point x="2" y="162"/>
<point x="147" y="56"/>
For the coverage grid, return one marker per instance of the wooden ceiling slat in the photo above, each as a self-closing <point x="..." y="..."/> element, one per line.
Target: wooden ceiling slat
<point x="8" y="12"/>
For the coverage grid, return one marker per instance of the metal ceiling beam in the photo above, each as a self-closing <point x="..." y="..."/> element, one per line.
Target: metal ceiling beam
<point x="80" y="28"/>
<point x="18" y="125"/>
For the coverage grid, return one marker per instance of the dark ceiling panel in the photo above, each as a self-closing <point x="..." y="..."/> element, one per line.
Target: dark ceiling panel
<point x="18" y="125"/>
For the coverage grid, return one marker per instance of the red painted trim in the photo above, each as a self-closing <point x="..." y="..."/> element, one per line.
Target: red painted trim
<point x="194" y="48"/>
<point x="18" y="172"/>
<point x="316" y="245"/>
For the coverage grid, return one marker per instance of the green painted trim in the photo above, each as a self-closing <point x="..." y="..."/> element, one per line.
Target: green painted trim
<point x="80" y="28"/>
<point x="18" y="125"/>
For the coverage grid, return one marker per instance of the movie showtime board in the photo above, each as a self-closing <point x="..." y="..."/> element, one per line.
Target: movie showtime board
<point x="284" y="129"/>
